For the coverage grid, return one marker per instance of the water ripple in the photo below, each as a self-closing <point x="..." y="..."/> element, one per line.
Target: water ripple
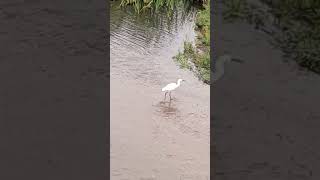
<point x="141" y="45"/>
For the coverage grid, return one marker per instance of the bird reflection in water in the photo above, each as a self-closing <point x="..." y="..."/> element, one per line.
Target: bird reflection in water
<point x="167" y="108"/>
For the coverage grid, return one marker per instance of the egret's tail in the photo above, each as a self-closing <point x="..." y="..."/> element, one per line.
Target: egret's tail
<point x="163" y="89"/>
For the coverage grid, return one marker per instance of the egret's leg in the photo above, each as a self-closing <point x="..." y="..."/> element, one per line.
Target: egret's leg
<point x="170" y="95"/>
<point x="165" y="95"/>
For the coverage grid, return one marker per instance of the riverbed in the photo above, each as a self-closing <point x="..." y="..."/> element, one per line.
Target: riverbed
<point x="153" y="138"/>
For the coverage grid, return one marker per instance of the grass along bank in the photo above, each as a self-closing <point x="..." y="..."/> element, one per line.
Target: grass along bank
<point x="294" y="25"/>
<point x="169" y="5"/>
<point x="197" y="58"/>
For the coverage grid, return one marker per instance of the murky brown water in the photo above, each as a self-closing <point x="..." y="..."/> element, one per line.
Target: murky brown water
<point x="152" y="138"/>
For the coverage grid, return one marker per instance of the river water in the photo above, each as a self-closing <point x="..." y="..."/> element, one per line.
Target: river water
<point x="153" y="138"/>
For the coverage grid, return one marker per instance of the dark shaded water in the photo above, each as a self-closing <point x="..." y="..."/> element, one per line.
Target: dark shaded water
<point x="152" y="138"/>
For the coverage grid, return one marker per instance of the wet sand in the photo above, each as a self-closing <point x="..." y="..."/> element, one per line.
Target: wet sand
<point x="152" y="138"/>
<point x="266" y="115"/>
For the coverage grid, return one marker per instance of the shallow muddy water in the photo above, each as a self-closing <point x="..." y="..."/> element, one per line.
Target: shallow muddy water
<point x="152" y="138"/>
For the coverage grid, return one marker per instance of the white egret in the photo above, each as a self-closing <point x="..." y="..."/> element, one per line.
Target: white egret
<point x="170" y="87"/>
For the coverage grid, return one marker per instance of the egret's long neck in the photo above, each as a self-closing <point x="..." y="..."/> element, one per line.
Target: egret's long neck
<point x="178" y="83"/>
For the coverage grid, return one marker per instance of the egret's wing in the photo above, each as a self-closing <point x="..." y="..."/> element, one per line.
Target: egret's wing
<point x="169" y="87"/>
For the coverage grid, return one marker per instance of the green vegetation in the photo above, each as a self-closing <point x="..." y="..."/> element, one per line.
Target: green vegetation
<point x="297" y="23"/>
<point x="197" y="62"/>
<point x="202" y="60"/>
<point x="156" y="5"/>
<point x="184" y="58"/>
<point x="300" y="30"/>
<point x="235" y="9"/>
<point x="203" y="25"/>
<point x="197" y="58"/>
<point x="140" y="5"/>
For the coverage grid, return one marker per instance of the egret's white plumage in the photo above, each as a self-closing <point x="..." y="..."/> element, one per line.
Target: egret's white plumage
<point x="170" y="87"/>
